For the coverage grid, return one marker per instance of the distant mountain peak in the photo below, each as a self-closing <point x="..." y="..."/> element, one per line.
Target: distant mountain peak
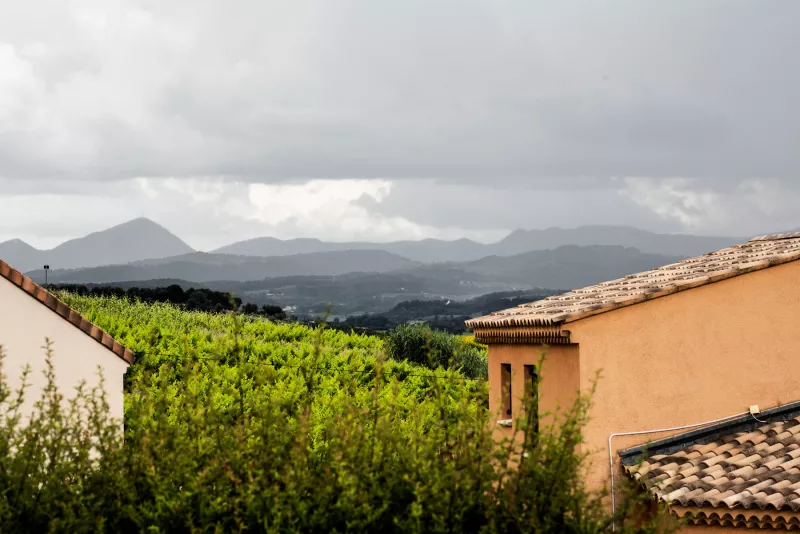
<point x="139" y="223"/>
<point x="137" y="239"/>
<point x="142" y="219"/>
<point x="16" y="243"/>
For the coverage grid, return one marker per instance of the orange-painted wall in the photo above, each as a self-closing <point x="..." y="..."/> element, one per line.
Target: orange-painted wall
<point x="560" y="378"/>
<point x="693" y="356"/>
<point x="689" y="357"/>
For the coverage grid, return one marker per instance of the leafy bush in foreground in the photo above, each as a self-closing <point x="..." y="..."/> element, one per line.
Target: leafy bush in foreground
<point x="204" y="469"/>
<point x="244" y="426"/>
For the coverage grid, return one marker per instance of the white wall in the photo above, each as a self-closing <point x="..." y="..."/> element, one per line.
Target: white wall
<point x="24" y="325"/>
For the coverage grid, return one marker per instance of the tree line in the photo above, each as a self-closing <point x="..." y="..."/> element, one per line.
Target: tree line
<point x="195" y="299"/>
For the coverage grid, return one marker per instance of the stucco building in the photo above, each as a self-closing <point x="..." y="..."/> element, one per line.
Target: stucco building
<point x="29" y="315"/>
<point x="689" y="347"/>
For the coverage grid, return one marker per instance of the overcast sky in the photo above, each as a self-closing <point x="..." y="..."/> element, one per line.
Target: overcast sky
<point x="397" y="119"/>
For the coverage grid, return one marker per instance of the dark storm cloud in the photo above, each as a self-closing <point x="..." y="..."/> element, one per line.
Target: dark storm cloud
<point x="467" y="91"/>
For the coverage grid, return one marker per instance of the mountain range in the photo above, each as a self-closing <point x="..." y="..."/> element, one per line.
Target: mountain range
<point x="205" y="267"/>
<point x="519" y="241"/>
<point x="142" y="239"/>
<point x="307" y="275"/>
<point x="365" y="290"/>
<point x="568" y="266"/>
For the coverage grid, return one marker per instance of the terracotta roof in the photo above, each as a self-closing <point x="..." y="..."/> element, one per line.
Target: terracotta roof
<point x="48" y="299"/>
<point x="740" y="472"/>
<point x="756" y="254"/>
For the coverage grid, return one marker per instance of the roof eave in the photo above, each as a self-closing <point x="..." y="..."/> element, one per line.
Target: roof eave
<point x="529" y="335"/>
<point x="738" y="517"/>
<point x="58" y="306"/>
<point x="498" y="320"/>
<point x="707" y="434"/>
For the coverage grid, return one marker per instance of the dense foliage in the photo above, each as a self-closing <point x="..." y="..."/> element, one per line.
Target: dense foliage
<point x="168" y="340"/>
<point x="200" y="299"/>
<point x="267" y="310"/>
<point x="240" y="425"/>
<point x="420" y="344"/>
<point x="379" y="323"/>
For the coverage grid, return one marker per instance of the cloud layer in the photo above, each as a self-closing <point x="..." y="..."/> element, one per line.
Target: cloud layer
<point x="675" y="115"/>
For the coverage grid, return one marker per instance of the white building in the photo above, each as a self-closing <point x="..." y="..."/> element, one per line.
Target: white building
<point x="28" y="316"/>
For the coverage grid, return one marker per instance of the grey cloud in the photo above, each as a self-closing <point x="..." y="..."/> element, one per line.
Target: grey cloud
<point x="66" y="188"/>
<point x="537" y="93"/>
<point x="443" y="205"/>
<point x="672" y="205"/>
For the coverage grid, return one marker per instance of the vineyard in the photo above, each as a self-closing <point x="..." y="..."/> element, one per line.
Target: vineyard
<point x="253" y="355"/>
<point x="237" y="424"/>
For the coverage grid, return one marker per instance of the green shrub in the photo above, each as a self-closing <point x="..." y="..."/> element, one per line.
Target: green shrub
<point x="418" y="343"/>
<point x="240" y="425"/>
<point x="380" y="465"/>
